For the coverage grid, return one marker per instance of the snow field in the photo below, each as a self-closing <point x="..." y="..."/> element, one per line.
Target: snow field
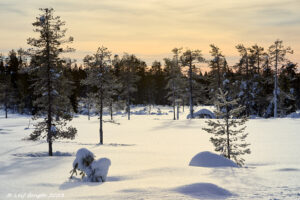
<point x="150" y="157"/>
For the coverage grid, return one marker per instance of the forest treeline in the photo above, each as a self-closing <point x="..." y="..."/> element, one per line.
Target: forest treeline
<point x="166" y="82"/>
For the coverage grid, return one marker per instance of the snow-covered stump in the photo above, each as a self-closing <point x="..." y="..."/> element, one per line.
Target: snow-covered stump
<point x="91" y="170"/>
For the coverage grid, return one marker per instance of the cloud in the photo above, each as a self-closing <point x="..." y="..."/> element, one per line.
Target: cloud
<point x="7" y="8"/>
<point x="154" y="27"/>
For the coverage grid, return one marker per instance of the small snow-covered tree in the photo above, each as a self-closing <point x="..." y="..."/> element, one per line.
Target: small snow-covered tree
<point x="50" y="86"/>
<point x="228" y="129"/>
<point x="90" y="169"/>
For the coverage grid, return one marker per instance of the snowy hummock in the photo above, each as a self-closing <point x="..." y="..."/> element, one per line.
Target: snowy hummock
<point x="294" y="115"/>
<point x="100" y="168"/>
<point x="204" y="190"/>
<point x="209" y="159"/>
<point x="203" y="113"/>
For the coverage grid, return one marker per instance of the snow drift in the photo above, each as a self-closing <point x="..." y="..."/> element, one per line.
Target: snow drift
<point x="208" y="159"/>
<point x="203" y="113"/>
<point x="202" y="190"/>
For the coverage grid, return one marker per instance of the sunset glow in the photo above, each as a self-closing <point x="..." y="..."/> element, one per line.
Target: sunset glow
<point x="152" y="28"/>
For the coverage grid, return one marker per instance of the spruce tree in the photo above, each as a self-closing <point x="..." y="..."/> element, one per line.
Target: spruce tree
<point x="228" y="129"/>
<point x="50" y="86"/>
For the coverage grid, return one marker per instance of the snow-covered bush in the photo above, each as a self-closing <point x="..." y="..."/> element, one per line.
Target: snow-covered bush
<point x="90" y="169"/>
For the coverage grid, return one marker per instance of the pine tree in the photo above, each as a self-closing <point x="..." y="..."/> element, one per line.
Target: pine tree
<point x="189" y="58"/>
<point x="174" y="80"/>
<point x="97" y="77"/>
<point x="256" y="57"/>
<point x="128" y="77"/>
<point x="243" y="65"/>
<point x="50" y="85"/>
<point x="228" y="130"/>
<point x="217" y="64"/>
<point x="277" y="53"/>
<point x="112" y="90"/>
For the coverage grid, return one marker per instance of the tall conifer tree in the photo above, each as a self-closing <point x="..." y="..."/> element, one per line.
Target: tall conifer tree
<point x="50" y="85"/>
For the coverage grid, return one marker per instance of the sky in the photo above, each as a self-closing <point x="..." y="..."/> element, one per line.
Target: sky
<point x="152" y="28"/>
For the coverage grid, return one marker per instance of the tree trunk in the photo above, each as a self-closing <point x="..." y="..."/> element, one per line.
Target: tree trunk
<point x="111" y="110"/>
<point x="178" y="111"/>
<point x="191" y="90"/>
<point x="128" y="107"/>
<point x="219" y="74"/>
<point x="228" y="142"/>
<point x="247" y="67"/>
<point x="89" y="105"/>
<point x="5" y="104"/>
<point x="173" y="104"/>
<point x="275" y="84"/>
<point x="258" y="63"/>
<point x="101" y="122"/>
<point x="49" y="120"/>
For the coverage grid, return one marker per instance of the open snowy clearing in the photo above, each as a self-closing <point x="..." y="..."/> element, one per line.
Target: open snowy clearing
<point x="150" y="156"/>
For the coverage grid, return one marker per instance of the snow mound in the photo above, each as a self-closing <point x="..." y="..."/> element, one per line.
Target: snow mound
<point x="295" y="115"/>
<point x="208" y="159"/>
<point x="100" y="169"/>
<point x="203" y="113"/>
<point x="202" y="190"/>
<point x="289" y="170"/>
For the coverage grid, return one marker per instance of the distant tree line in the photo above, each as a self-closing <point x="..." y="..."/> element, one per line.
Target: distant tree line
<point x="177" y="81"/>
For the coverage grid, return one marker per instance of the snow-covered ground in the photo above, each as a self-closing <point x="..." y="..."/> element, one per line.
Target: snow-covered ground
<point x="150" y="156"/>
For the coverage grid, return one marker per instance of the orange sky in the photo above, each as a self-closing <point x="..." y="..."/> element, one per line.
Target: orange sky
<point x="151" y="28"/>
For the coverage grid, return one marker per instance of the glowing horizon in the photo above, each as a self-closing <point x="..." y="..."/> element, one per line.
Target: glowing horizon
<point x="150" y="29"/>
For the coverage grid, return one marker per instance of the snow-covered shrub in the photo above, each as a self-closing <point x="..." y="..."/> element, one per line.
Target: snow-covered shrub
<point x="90" y="169"/>
<point x="83" y="159"/>
<point x="99" y="170"/>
